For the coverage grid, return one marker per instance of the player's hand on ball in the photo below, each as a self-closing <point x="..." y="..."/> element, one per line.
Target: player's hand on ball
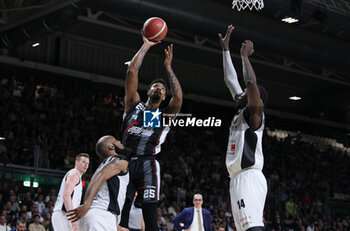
<point x="247" y="48"/>
<point x="146" y="41"/>
<point x="168" y="56"/>
<point x="225" y="42"/>
<point x="78" y="213"/>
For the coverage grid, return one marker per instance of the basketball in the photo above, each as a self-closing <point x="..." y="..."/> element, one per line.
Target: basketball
<point x="155" y="29"/>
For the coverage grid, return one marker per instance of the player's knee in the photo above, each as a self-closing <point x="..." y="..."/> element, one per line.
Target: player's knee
<point x="257" y="228"/>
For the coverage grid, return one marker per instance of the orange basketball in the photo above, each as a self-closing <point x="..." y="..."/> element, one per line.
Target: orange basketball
<point x="155" y="29"/>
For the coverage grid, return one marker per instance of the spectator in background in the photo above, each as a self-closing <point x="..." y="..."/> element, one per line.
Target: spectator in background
<point x="291" y="206"/>
<point x="48" y="207"/>
<point x="47" y="221"/>
<point x="20" y="225"/>
<point x="22" y="216"/>
<point x="221" y="227"/>
<point x="40" y="204"/>
<point x="36" y="226"/>
<point x="27" y="200"/>
<point x="1" y="201"/>
<point x="37" y="193"/>
<point x="15" y="206"/>
<point x="51" y="196"/>
<point x="3" y="224"/>
<point x="10" y="215"/>
<point x="5" y="191"/>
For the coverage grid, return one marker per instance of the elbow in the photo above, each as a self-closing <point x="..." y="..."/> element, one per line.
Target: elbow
<point x="250" y="82"/>
<point x="66" y="197"/>
<point x="131" y="70"/>
<point x="178" y="100"/>
<point x="227" y="81"/>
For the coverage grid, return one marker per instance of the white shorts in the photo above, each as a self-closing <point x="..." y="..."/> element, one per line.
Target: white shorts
<point x="248" y="192"/>
<point x="99" y="220"/>
<point x="60" y="221"/>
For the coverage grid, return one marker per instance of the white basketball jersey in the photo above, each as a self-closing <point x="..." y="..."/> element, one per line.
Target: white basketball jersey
<point x="244" y="149"/>
<point x="112" y="193"/>
<point x="135" y="218"/>
<point x="76" y="194"/>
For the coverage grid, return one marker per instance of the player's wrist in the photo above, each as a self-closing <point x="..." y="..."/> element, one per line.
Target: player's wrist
<point x="146" y="45"/>
<point x="225" y="48"/>
<point x="168" y="67"/>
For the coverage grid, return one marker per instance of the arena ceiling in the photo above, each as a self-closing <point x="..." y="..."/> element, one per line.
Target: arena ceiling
<point x="310" y="59"/>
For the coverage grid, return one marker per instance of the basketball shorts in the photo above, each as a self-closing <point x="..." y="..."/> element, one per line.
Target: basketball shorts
<point x="60" y="221"/>
<point x="248" y="192"/>
<point x="99" y="220"/>
<point x="145" y="179"/>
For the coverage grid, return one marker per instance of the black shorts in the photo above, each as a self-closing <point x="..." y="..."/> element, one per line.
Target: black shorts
<point x="145" y="179"/>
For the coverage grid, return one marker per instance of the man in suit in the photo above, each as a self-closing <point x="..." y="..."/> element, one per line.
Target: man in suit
<point x="194" y="218"/>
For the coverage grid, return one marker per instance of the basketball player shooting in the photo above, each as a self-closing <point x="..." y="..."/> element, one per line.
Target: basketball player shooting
<point x="244" y="156"/>
<point x="145" y="142"/>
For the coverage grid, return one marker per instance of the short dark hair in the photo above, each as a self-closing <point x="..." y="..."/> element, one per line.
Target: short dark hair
<point x="162" y="81"/>
<point x="82" y="155"/>
<point x="101" y="147"/>
<point x="18" y="222"/>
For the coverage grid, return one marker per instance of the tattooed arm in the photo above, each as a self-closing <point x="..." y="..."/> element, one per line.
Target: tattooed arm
<point x="175" y="87"/>
<point x="131" y="83"/>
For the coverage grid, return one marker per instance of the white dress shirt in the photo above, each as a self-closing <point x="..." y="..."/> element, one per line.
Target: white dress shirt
<point x="195" y="223"/>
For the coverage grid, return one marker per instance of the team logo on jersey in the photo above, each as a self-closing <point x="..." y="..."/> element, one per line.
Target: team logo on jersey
<point x="233" y="147"/>
<point x="152" y="118"/>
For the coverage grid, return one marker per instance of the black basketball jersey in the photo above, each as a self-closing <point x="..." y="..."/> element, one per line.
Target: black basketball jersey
<point x="142" y="140"/>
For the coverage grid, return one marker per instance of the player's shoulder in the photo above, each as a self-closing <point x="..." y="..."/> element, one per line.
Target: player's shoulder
<point x="119" y="158"/>
<point x="119" y="161"/>
<point x="73" y="173"/>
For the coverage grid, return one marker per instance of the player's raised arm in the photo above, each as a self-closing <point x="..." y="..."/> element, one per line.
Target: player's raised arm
<point x="131" y="84"/>
<point x="255" y="105"/>
<point x="114" y="167"/>
<point x="230" y="74"/>
<point x="175" y="87"/>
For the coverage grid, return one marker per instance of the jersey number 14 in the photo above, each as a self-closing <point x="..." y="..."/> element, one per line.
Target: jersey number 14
<point x="241" y="204"/>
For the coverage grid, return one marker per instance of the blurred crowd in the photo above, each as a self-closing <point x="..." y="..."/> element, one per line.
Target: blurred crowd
<point x="58" y="118"/>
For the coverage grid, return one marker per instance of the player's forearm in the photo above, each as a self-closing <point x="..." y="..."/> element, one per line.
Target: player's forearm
<point x="136" y="61"/>
<point x="68" y="204"/>
<point x="248" y="71"/>
<point x="175" y="87"/>
<point x="93" y="188"/>
<point x="230" y="74"/>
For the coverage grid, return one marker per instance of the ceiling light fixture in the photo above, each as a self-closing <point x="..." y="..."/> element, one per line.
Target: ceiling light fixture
<point x="295" y="98"/>
<point x="290" y="20"/>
